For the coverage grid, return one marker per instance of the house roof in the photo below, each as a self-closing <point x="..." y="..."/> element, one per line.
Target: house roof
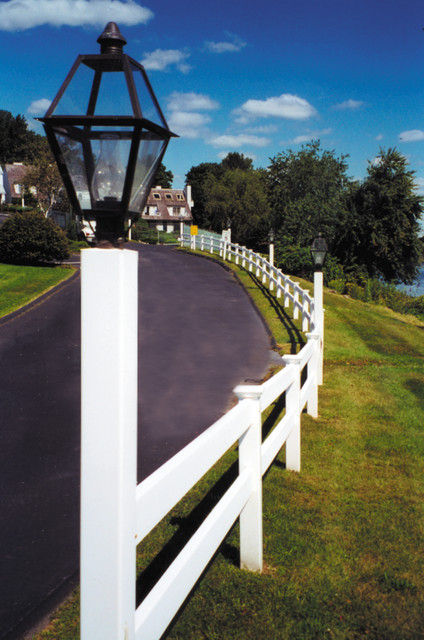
<point x="161" y="199"/>
<point x="15" y="174"/>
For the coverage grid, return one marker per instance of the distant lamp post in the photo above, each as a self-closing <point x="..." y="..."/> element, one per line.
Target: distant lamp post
<point x="108" y="135"/>
<point x="319" y="253"/>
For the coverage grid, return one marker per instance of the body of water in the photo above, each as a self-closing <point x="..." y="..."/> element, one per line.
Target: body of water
<point x="416" y="289"/>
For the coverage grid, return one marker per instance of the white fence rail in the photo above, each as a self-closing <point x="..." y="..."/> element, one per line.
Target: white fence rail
<point x="145" y="505"/>
<point x="300" y="299"/>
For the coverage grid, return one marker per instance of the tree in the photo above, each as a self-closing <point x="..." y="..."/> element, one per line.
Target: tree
<point x="197" y="177"/>
<point x="384" y="231"/>
<point x="239" y="196"/>
<point x="44" y="177"/>
<point x="30" y="238"/>
<point x="235" y="160"/>
<point x="17" y="142"/>
<point x="308" y="193"/>
<point x="163" y="177"/>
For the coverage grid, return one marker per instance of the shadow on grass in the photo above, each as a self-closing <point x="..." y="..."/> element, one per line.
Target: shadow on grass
<point x="189" y="524"/>
<point x="294" y="333"/>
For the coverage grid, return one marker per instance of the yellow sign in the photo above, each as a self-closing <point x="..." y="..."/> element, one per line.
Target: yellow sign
<point x="194" y="229"/>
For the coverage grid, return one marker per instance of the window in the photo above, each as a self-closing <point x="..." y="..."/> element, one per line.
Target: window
<point x="156" y="196"/>
<point x="179" y="196"/>
<point x="168" y="196"/>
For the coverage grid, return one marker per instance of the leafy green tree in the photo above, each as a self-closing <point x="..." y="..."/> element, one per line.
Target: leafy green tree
<point x="235" y="160"/>
<point x="308" y="193"/>
<point x="44" y="177"/>
<point x="17" y="142"/>
<point x="239" y="196"/>
<point x="197" y="177"/>
<point x="202" y="176"/>
<point x="164" y="177"/>
<point x="384" y="234"/>
<point x="30" y="238"/>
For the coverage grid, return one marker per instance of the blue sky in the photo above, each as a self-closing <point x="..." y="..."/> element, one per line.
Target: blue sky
<point x="257" y="77"/>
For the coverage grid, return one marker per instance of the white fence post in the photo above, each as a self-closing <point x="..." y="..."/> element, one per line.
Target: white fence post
<point x="108" y="442"/>
<point x="251" y="536"/>
<point x="293" y="445"/>
<point x="313" y="374"/>
<point x="319" y="319"/>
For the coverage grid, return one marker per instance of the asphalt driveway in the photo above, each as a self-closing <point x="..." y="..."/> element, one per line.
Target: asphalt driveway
<point x="199" y="336"/>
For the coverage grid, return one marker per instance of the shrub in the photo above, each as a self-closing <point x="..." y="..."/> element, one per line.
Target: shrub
<point x="295" y="260"/>
<point x="30" y="239"/>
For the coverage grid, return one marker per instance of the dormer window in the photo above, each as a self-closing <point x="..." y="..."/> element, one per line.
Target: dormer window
<point x="156" y="196"/>
<point x="179" y="196"/>
<point x="168" y="196"/>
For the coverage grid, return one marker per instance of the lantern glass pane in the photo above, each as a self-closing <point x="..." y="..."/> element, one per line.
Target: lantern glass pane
<point x="96" y="162"/>
<point x="113" y="98"/>
<point x="149" y="153"/>
<point x="148" y="106"/>
<point x="77" y="95"/>
<point x="104" y="95"/>
<point x="73" y="156"/>
<point x="110" y="153"/>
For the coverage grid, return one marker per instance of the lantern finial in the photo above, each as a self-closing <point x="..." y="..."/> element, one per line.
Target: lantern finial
<point x="111" y="40"/>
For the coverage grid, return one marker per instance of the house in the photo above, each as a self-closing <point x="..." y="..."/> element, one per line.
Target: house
<point x="166" y="208"/>
<point x="12" y="181"/>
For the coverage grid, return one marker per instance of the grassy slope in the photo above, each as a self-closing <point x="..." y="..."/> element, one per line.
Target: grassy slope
<point x="20" y="285"/>
<point x="344" y="538"/>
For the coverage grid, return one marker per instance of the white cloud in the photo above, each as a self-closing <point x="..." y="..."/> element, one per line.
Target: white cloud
<point x="285" y="106"/>
<point x="350" y="104"/>
<point x="188" y="124"/>
<point x="240" y="140"/>
<point x="161" y="59"/>
<point x="191" y="102"/>
<point x="379" y="137"/>
<point x="313" y="135"/>
<point x="412" y="136"/>
<point x="234" y="44"/>
<point x="17" y="15"/>
<point x="419" y="182"/>
<point x="39" y="106"/>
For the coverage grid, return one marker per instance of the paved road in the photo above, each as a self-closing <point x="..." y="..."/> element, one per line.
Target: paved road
<point x="199" y="336"/>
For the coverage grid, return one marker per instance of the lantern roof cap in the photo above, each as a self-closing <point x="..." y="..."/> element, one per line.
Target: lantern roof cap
<point x="111" y="40"/>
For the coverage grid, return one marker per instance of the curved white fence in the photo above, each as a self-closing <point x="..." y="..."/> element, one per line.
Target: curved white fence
<point x="108" y="603"/>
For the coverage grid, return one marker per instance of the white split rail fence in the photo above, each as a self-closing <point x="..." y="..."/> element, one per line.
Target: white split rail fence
<point x="116" y="514"/>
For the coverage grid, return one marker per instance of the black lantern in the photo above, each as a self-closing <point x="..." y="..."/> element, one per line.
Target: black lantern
<point x="319" y="252"/>
<point x="271" y="236"/>
<point x="108" y="135"/>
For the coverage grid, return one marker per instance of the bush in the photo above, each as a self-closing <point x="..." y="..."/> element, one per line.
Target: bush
<point x="295" y="260"/>
<point x="31" y="239"/>
<point x="141" y="232"/>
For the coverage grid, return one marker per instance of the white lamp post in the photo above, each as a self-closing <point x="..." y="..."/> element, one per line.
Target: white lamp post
<point x="319" y="253"/>
<point x="107" y="151"/>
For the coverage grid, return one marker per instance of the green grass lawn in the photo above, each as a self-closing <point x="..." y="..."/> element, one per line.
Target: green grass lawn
<point x="343" y="539"/>
<point x="20" y="285"/>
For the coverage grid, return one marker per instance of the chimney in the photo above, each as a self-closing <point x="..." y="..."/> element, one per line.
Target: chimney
<point x="187" y="191"/>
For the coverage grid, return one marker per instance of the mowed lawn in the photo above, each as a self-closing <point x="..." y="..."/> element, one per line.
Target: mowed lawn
<point x="344" y="538"/>
<point x="20" y="285"/>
